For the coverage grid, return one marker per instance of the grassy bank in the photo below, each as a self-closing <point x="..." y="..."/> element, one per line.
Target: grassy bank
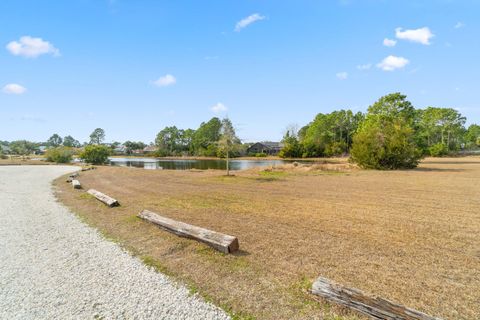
<point x="409" y="236"/>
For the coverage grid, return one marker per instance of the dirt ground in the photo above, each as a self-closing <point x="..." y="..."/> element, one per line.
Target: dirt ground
<point x="410" y="236"/>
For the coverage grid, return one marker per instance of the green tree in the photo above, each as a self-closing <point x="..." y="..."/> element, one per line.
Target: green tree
<point x="330" y="134"/>
<point x="386" y="138"/>
<point x="291" y="146"/>
<point x="440" y="126"/>
<point x="206" y="137"/>
<point x="95" y="154"/>
<point x="59" y="154"/>
<point x="97" y="136"/>
<point x="69" y="141"/>
<point x="130" y="146"/>
<point x="228" y="142"/>
<point x="472" y="136"/>
<point x="168" y="140"/>
<point x="23" y="147"/>
<point x="54" y="141"/>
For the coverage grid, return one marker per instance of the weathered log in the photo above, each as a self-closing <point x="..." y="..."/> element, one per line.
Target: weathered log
<point x="76" y="184"/>
<point x="109" y="201"/>
<point x="219" y="241"/>
<point x="74" y="175"/>
<point x="372" y="306"/>
<point x="88" y="168"/>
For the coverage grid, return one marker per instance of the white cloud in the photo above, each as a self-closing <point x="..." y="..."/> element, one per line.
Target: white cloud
<point x="31" y="47"/>
<point x="219" y="108"/>
<point x="459" y="25"/>
<point x="342" y="75"/>
<point x="248" y="20"/>
<point x="421" y="35"/>
<point x="391" y="63"/>
<point x="13" y="88"/>
<point x="165" y="81"/>
<point x="389" y="42"/>
<point x="363" y="67"/>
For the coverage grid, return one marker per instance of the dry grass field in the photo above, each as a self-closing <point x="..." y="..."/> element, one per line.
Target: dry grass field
<point x="411" y="236"/>
<point x="16" y="161"/>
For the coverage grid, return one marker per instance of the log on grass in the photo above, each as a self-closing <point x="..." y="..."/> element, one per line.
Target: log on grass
<point x="109" y="201"/>
<point x="222" y="242"/>
<point x="374" y="307"/>
<point x="76" y="184"/>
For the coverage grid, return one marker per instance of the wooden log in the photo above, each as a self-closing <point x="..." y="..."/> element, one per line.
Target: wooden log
<point x="372" y="306"/>
<point x="109" y="201"/>
<point x="76" y="184"/>
<point x="219" y="241"/>
<point x="74" y="175"/>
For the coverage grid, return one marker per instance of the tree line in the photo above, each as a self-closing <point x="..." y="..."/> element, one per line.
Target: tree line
<point x="209" y="140"/>
<point x="391" y="134"/>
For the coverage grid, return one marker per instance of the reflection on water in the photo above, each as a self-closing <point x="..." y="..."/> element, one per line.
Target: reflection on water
<point x="180" y="164"/>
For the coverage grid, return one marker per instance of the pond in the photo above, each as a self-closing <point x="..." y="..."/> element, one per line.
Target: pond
<point x="186" y="164"/>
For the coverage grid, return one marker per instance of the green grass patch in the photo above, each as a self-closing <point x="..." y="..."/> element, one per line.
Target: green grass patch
<point x="155" y="264"/>
<point x="85" y="195"/>
<point x="132" y="219"/>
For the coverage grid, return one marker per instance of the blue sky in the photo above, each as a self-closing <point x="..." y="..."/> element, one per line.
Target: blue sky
<point x="134" y="67"/>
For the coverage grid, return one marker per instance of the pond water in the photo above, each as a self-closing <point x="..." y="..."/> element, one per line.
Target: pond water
<point x="186" y="164"/>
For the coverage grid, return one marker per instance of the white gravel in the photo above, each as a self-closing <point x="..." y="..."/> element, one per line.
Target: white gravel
<point x="53" y="266"/>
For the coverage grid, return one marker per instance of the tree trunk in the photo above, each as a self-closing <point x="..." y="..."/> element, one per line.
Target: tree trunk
<point x="228" y="160"/>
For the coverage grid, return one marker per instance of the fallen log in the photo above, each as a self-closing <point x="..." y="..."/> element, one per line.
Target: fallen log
<point x="76" y="184"/>
<point x="372" y="306"/>
<point x="219" y="241"/>
<point x="109" y="201"/>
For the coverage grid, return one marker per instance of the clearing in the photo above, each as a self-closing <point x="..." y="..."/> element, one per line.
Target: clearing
<point x="411" y="236"/>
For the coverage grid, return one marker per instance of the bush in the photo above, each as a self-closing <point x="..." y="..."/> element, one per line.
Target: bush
<point x="59" y="155"/>
<point x="336" y="149"/>
<point x="438" y="150"/>
<point x="95" y="154"/>
<point x="260" y="155"/>
<point x="385" y="146"/>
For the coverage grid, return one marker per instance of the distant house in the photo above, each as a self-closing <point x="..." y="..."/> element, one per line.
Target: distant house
<point x="120" y="149"/>
<point x="5" y="149"/>
<point x="267" y="147"/>
<point x="150" y="149"/>
<point x="41" y="150"/>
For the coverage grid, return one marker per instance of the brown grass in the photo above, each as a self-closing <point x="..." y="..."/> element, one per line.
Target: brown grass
<point x="410" y="236"/>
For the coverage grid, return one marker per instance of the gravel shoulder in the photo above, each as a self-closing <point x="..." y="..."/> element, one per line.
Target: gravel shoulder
<point x="53" y="266"/>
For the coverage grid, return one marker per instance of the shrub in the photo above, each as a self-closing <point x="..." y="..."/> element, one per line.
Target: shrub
<point x="336" y="148"/>
<point x="260" y="155"/>
<point x="95" y="154"/>
<point x="386" y="138"/>
<point x="385" y="146"/>
<point x="438" y="150"/>
<point x="59" y="154"/>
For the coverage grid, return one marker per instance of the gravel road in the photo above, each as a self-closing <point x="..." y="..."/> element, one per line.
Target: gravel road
<point x="53" y="266"/>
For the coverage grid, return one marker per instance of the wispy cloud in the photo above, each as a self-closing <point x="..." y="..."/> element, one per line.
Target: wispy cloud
<point x="13" y="88"/>
<point x="392" y="63"/>
<point x="219" y="108"/>
<point x="32" y="117"/>
<point x="364" y="67"/>
<point x="245" y="22"/>
<point x="165" y="81"/>
<point x="389" y="42"/>
<point x="31" y="47"/>
<point x="342" y="75"/>
<point x="421" y="35"/>
<point x="459" y="25"/>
